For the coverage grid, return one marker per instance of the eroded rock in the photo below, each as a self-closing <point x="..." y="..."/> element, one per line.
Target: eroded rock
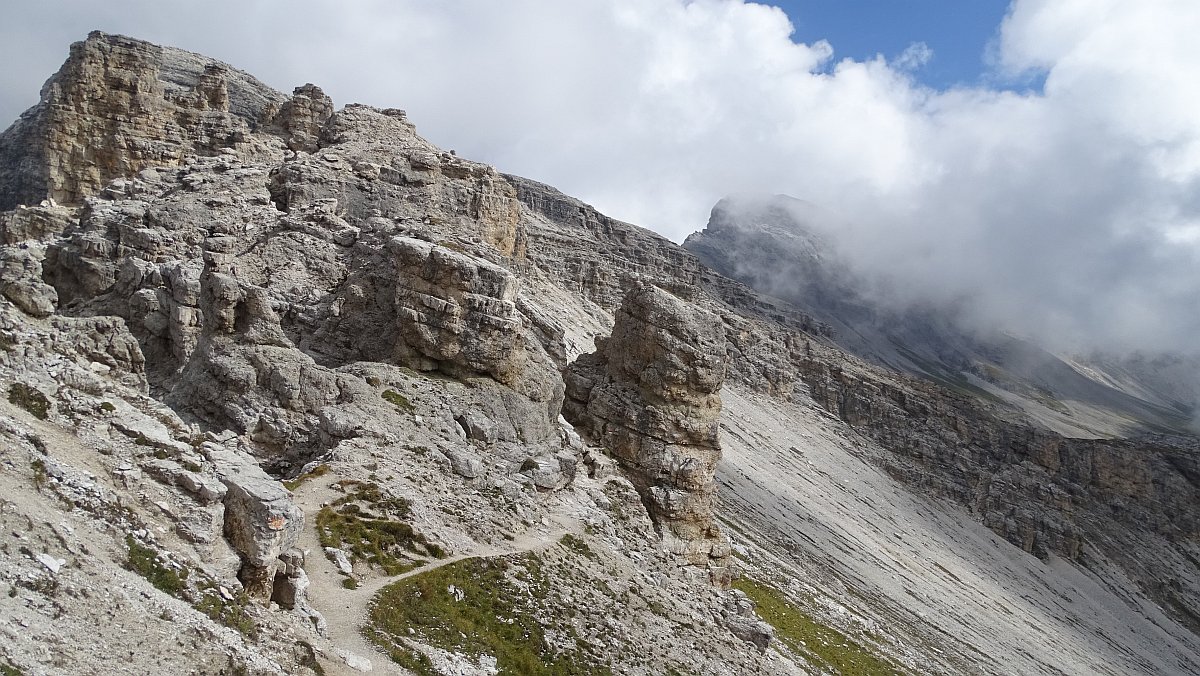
<point x="261" y="521"/>
<point x="649" y="394"/>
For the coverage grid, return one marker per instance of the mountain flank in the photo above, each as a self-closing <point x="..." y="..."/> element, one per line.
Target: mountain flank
<point x="289" y="389"/>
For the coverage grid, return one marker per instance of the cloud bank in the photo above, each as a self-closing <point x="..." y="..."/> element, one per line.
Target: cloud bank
<point x="1070" y="213"/>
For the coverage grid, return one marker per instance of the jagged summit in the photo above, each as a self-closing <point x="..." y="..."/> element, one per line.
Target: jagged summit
<point x="289" y="391"/>
<point x="119" y="105"/>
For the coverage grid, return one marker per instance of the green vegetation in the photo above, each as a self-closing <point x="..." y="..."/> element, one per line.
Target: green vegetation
<point x="398" y="400"/>
<point x="145" y="562"/>
<point x="486" y="606"/>
<point x="318" y="471"/>
<point x="107" y="406"/>
<point x="9" y="670"/>
<point x="373" y="528"/>
<point x="806" y="636"/>
<point x="413" y="660"/>
<point x="308" y="657"/>
<point x="30" y="399"/>
<point x="577" y="545"/>
<point x="233" y="613"/>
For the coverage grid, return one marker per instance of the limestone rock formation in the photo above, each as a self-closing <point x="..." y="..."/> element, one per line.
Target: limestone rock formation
<point x="118" y="106"/>
<point x="650" y="394"/>
<point x="302" y="117"/>
<point x="261" y="521"/>
<point x="738" y="614"/>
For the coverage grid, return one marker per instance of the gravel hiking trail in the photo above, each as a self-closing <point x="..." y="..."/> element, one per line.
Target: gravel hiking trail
<point x="345" y="610"/>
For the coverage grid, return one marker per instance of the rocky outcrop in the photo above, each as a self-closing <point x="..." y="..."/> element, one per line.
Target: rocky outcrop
<point x="1128" y="501"/>
<point x="118" y="106"/>
<point x="261" y="521"/>
<point x="302" y="118"/>
<point x="455" y="309"/>
<point x="20" y="282"/>
<point x="738" y="615"/>
<point x="649" y="394"/>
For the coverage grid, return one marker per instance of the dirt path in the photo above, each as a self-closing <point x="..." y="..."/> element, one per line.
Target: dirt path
<point x="345" y="610"/>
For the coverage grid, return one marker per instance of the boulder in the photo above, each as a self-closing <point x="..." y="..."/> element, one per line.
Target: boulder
<point x="737" y="614"/>
<point x="261" y="521"/>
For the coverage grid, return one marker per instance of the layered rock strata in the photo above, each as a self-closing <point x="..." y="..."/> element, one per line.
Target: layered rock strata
<point x="650" y="394"/>
<point x="120" y="105"/>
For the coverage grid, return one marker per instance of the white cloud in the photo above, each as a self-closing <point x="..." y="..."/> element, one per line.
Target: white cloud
<point x="1067" y="213"/>
<point x="913" y="57"/>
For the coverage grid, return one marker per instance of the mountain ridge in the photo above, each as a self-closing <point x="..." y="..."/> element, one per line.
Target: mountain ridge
<point x="786" y="248"/>
<point x="329" y="299"/>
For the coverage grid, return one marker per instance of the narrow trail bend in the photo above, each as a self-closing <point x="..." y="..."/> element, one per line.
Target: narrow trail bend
<point x="345" y="610"/>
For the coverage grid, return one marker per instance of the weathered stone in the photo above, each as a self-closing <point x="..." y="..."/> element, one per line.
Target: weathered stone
<point x="340" y="560"/>
<point x="737" y="614"/>
<point x="464" y="465"/>
<point x="261" y="521"/>
<point x="302" y="117"/>
<point x="118" y="106"/>
<point x="477" y="426"/>
<point x="649" y="395"/>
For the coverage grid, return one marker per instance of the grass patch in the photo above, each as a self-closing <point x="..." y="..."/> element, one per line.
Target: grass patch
<point x="413" y="660"/>
<point x="206" y="597"/>
<point x="145" y="562"/>
<point x="308" y="657"/>
<point x="576" y="544"/>
<point x="9" y="670"/>
<point x="233" y="614"/>
<point x="806" y="636"/>
<point x="373" y="528"/>
<point x="494" y="609"/>
<point x="398" y="400"/>
<point x="29" y="398"/>
<point x="318" y="471"/>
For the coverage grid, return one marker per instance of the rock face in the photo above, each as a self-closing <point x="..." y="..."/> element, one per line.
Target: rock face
<point x="302" y="118"/>
<point x="738" y="614"/>
<point x="788" y="248"/>
<point x="455" y="310"/>
<point x="118" y="106"/>
<point x="650" y="394"/>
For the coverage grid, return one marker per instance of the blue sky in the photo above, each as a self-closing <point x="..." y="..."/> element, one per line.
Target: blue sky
<point x="958" y="32"/>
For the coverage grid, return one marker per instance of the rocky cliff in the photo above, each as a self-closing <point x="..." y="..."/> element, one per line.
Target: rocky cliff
<point x="284" y="386"/>
<point x="118" y="106"/>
